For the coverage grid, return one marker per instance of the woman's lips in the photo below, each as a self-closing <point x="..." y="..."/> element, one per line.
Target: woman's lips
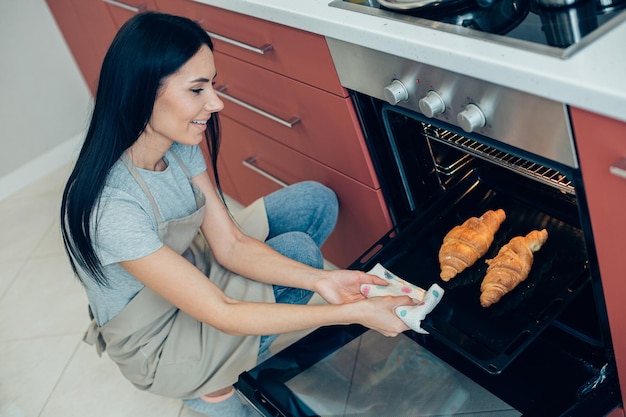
<point x="200" y="124"/>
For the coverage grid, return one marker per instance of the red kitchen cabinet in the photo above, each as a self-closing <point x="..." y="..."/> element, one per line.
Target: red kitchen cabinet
<point x="178" y="7"/>
<point x="88" y="30"/>
<point x="322" y="124"/>
<point x="601" y="144"/>
<point x="283" y="103"/>
<point x="294" y="53"/>
<point x="122" y="10"/>
<point x="89" y="26"/>
<point x="287" y="117"/>
<point x="260" y="165"/>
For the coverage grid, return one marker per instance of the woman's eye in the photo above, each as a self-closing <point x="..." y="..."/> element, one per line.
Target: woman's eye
<point x="197" y="90"/>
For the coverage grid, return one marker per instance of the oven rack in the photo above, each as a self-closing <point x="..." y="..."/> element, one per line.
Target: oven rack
<point x="517" y="164"/>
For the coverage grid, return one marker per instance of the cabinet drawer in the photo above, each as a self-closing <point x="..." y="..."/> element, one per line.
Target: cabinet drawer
<point x="292" y="52"/>
<point x="122" y="10"/>
<point x="88" y="42"/>
<point x="258" y="166"/>
<point x="324" y="126"/>
<point x="185" y="8"/>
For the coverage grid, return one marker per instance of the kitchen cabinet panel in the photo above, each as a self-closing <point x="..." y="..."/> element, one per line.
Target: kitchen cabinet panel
<point x="185" y="8"/>
<point x="256" y="163"/>
<point x="88" y="30"/>
<point x="122" y="10"/>
<point x="269" y="69"/>
<point x="325" y="126"/>
<point x="601" y="145"/>
<point x="89" y="27"/>
<point x="297" y="54"/>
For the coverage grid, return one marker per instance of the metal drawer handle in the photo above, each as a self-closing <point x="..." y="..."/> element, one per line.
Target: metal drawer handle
<point x="126" y="6"/>
<point x="250" y="164"/>
<point x="220" y="91"/>
<point x="261" y="50"/>
<point x="619" y="168"/>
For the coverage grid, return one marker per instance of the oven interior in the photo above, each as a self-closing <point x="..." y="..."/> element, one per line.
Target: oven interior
<point x="544" y="349"/>
<point x="441" y="176"/>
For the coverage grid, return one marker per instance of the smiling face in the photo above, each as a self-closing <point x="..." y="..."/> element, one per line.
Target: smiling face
<point x="185" y="103"/>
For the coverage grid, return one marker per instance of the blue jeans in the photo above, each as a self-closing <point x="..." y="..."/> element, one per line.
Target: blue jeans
<point x="300" y="217"/>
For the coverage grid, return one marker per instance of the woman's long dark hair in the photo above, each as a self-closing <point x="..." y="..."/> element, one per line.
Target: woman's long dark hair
<point x="148" y="48"/>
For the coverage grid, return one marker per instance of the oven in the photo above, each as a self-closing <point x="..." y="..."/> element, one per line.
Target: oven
<point x="448" y="147"/>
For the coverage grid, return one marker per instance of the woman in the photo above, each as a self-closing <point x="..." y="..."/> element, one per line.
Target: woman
<point x="181" y="298"/>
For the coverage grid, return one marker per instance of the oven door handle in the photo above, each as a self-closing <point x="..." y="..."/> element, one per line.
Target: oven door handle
<point x="619" y="168"/>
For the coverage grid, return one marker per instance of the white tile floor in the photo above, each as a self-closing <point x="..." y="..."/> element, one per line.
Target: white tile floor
<point x="45" y="368"/>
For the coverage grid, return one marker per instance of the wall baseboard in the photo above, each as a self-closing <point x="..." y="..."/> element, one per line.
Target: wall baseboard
<point x="40" y="166"/>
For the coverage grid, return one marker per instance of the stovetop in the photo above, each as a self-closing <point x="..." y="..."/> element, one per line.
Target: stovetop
<point x="552" y="31"/>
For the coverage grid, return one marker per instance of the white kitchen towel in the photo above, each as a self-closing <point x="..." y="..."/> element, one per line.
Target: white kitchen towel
<point x="411" y="315"/>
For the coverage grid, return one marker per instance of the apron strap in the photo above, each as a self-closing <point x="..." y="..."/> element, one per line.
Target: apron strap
<point x="93" y="336"/>
<point x="155" y="208"/>
<point x="199" y="196"/>
<point x="180" y="164"/>
<point x="133" y="171"/>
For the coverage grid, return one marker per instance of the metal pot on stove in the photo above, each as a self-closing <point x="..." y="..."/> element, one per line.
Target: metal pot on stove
<point x="607" y="6"/>
<point x="565" y="22"/>
<point x="492" y="16"/>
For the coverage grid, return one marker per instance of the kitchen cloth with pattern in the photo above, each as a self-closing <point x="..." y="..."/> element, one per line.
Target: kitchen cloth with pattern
<point x="411" y="315"/>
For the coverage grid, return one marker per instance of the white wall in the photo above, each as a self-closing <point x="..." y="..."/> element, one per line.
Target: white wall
<point x="44" y="101"/>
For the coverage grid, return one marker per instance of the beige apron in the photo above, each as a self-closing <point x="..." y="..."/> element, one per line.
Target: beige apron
<point x="161" y="349"/>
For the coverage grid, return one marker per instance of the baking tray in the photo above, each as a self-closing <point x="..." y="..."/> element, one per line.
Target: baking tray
<point x="491" y="337"/>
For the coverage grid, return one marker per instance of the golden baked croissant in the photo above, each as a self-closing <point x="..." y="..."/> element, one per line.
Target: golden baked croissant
<point x="510" y="266"/>
<point x="466" y="243"/>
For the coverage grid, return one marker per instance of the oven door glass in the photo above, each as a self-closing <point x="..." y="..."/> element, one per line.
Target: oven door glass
<point x="347" y="371"/>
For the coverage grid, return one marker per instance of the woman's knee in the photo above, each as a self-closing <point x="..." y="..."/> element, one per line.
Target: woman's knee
<point x="305" y="195"/>
<point x="321" y="196"/>
<point x="298" y="246"/>
<point x="306" y="206"/>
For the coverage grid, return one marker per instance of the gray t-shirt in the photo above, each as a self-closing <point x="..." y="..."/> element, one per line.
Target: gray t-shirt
<point x="124" y="226"/>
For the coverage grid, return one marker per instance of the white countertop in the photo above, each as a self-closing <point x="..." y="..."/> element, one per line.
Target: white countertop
<point x="594" y="78"/>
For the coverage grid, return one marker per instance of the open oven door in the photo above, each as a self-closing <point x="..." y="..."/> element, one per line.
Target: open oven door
<point x="515" y="358"/>
<point x="352" y="371"/>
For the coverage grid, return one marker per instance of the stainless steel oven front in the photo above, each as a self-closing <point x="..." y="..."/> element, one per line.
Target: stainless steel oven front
<point x="447" y="147"/>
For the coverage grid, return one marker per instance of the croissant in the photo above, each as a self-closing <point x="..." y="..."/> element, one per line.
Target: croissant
<point x="466" y="243"/>
<point x="510" y="266"/>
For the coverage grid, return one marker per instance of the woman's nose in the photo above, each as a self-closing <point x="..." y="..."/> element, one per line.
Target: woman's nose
<point x="214" y="103"/>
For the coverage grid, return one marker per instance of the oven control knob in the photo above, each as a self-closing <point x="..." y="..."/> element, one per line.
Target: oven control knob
<point x="432" y="104"/>
<point x="471" y="118"/>
<point x="395" y="92"/>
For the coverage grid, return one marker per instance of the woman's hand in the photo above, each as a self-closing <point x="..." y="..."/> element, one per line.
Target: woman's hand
<point x="378" y="313"/>
<point x="342" y="286"/>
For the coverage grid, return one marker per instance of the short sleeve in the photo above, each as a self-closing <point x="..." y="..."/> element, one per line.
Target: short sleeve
<point x="123" y="230"/>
